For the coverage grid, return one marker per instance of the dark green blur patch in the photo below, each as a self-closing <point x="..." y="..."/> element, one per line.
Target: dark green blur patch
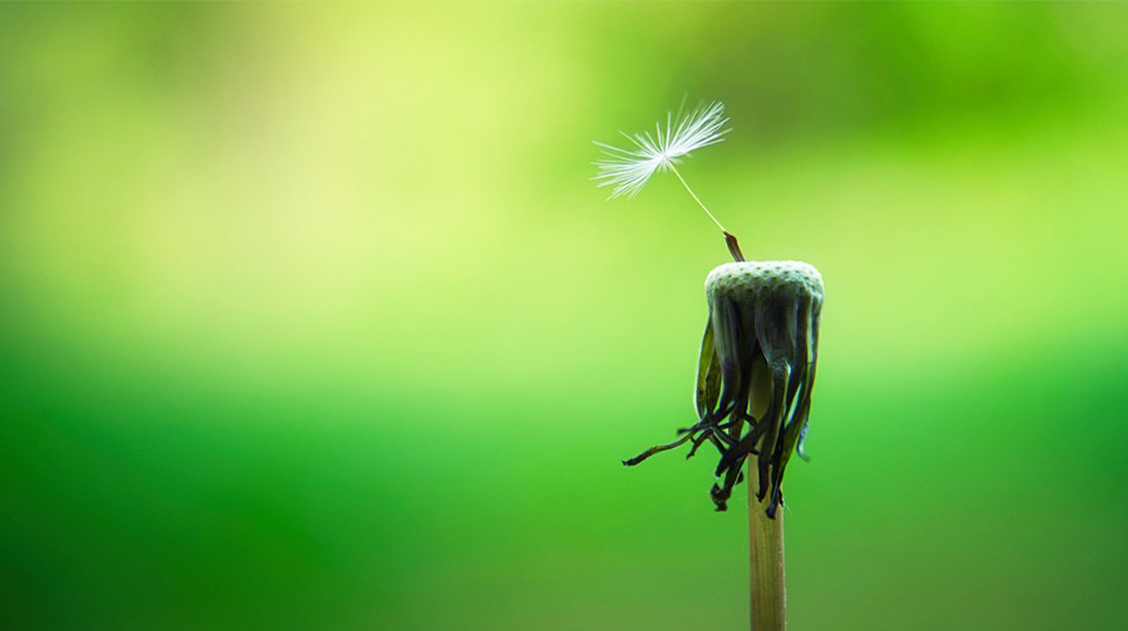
<point x="931" y="505"/>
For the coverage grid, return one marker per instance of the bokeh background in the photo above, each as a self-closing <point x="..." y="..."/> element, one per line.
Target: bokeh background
<point x="310" y="317"/>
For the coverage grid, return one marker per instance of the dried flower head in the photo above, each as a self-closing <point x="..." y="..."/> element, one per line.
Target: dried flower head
<point x="756" y="372"/>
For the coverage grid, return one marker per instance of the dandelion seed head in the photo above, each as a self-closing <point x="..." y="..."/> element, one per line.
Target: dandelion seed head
<point x="628" y="169"/>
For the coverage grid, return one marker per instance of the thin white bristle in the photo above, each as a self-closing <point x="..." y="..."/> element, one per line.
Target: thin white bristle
<point x="629" y="169"/>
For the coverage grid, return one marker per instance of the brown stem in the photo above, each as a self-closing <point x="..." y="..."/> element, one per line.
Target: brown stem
<point x="766" y="546"/>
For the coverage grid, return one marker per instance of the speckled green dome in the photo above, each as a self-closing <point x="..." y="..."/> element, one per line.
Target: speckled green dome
<point x="748" y="279"/>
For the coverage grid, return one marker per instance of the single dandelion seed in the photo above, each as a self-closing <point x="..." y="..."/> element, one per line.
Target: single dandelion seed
<point x="628" y="170"/>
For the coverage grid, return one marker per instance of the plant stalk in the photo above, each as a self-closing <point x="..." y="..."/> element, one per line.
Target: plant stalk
<point x="766" y="547"/>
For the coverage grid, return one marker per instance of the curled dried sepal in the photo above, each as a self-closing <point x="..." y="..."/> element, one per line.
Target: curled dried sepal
<point x="756" y="372"/>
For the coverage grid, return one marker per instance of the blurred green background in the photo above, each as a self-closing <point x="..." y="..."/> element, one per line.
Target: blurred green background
<point x="310" y="317"/>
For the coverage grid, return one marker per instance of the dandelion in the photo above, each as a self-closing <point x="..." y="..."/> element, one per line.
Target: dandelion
<point x="757" y="365"/>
